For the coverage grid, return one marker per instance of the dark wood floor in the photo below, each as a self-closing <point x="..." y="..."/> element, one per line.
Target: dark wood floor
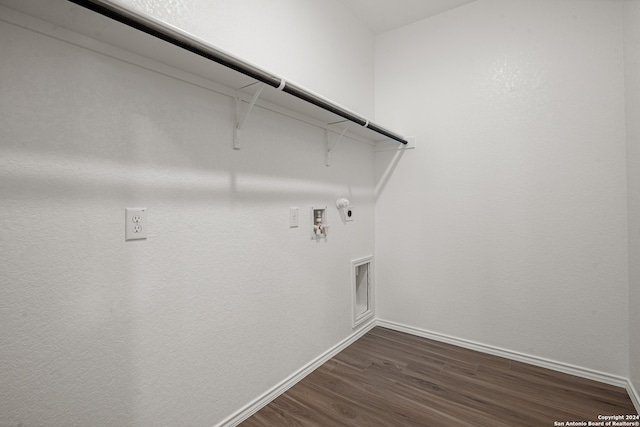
<point x="388" y="378"/>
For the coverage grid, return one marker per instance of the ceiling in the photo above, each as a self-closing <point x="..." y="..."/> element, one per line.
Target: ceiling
<point x="384" y="15"/>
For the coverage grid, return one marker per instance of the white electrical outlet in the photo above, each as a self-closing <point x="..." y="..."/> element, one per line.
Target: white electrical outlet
<point x="294" y="217"/>
<point x="135" y="227"/>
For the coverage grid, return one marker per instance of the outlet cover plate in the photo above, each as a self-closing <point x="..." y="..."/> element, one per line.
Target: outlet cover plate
<point x="135" y="227"/>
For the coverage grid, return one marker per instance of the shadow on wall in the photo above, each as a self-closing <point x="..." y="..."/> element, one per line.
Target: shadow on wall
<point x="391" y="159"/>
<point x="187" y="156"/>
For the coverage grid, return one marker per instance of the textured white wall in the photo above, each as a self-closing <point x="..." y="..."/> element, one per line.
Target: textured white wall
<point x="507" y="225"/>
<point x="318" y="44"/>
<point x="219" y="304"/>
<point x="632" y="86"/>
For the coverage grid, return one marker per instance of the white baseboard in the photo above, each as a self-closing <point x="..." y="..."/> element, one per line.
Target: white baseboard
<point x="508" y="354"/>
<point x="253" y="407"/>
<point x="633" y="394"/>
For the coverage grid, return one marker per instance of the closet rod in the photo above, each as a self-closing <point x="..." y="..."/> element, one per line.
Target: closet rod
<point x="185" y="41"/>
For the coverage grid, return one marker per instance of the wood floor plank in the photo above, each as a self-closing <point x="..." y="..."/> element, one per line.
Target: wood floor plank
<point x="306" y="413"/>
<point x="270" y="416"/>
<point x="468" y="401"/>
<point x="388" y="378"/>
<point x="446" y="351"/>
<point x="387" y="349"/>
<point x="366" y="406"/>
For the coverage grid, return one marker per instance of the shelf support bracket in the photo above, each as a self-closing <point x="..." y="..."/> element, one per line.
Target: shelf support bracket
<point x="330" y="147"/>
<point x="241" y="119"/>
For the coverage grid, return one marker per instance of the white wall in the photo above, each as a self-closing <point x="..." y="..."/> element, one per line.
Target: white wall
<point x="219" y="304"/>
<point x="632" y="86"/>
<point x="507" y="225"/>
<point x="318" y="44"/>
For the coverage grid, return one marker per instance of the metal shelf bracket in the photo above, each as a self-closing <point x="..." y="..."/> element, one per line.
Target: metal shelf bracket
<point x="330" y="146"/>
<point x="241" y="118"/>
